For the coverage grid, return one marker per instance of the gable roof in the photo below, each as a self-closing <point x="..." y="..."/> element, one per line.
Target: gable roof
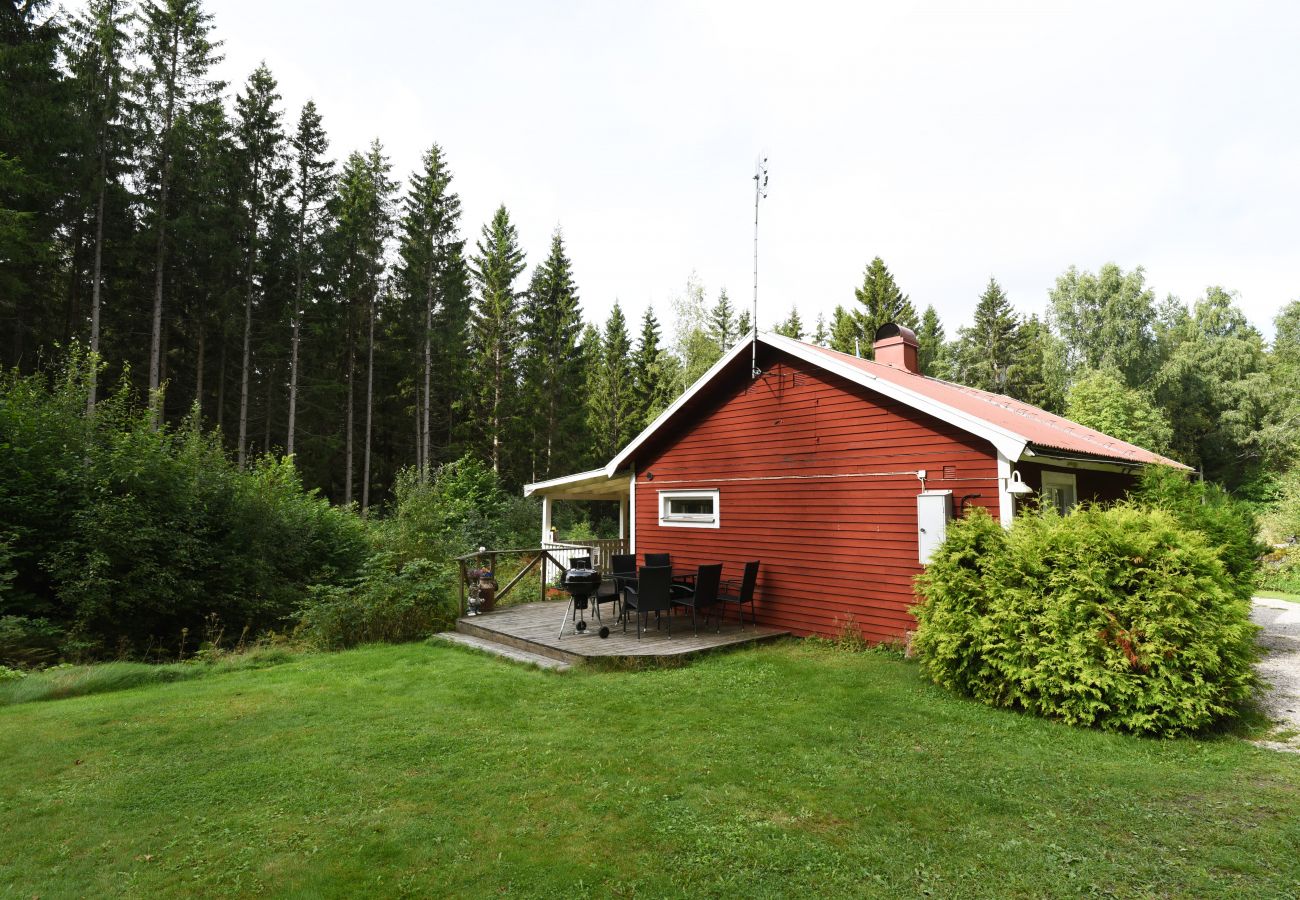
<point x="1010" y="425"/>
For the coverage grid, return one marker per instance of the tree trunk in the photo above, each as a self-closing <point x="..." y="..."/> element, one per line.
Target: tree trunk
<point x="248" y="321"/>
<point x="96" y="269"/>
<point x="296" y="330"/>
<point x="370" y="404"/>
<point x="221" y="383"/>
<point x="495" y="420"/>
<point x="266" y="431"/>
<point x="198" y="371"/>
<point x="347" y="441"/>
<point x="428" y="373"/>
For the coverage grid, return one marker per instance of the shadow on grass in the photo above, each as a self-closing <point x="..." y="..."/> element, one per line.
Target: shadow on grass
<point x="102" y="678"/>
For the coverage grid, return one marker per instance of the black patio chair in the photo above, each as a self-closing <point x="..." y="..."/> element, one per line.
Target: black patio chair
<point x="622" y="569"/>
<point x="745" y="594"/>
<point x="703" y="598"/>
<point x="658" y="559"/>
<point x="651" y="594"/>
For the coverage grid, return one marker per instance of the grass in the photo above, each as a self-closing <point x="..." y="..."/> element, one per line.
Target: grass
<point x="1279" y="595"/>
<point x="78" y="681"/>
<point x="787" y="770"/>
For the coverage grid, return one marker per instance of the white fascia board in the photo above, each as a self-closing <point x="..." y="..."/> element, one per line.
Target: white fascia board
<point x="563" y="481"/>
<point x="625" y="454"/>
<point x="1009" y="444"/>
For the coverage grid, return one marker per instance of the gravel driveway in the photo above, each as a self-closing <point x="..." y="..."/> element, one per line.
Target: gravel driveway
<point x="1280" y="667"/>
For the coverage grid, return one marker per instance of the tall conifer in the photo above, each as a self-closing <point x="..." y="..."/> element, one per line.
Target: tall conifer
<point x="494" y="329"/>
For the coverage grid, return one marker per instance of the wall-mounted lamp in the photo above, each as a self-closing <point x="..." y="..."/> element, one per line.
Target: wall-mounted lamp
<point x="649" y="476"/>
<point x="1017" y="485"/>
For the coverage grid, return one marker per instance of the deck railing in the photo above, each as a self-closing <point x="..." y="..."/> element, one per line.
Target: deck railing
<point x="551" y="560"/>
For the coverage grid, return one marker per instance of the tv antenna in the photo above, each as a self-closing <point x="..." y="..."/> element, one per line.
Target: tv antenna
<point x="760" y="192"/>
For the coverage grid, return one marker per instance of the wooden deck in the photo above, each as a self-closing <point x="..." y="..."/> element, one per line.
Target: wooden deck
<point x="535" y="627"/>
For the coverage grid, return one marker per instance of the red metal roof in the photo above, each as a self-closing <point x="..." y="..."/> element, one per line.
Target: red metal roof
<point x="1038" y="427"/>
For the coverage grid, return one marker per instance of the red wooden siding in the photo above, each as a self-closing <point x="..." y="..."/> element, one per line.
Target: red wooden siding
<point x="791" y="455"/>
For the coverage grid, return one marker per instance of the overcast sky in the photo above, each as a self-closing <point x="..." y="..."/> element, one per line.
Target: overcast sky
<point x="1012" y="140"/>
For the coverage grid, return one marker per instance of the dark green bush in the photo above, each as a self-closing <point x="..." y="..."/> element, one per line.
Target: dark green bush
<point x="1229" y="525"/>
<point x="1122" y="618"/>
<point x="390" y="602"/>
<point x="27" y="643"/>
<point x="1281" y="571"/>
<point x="123" y="536"/>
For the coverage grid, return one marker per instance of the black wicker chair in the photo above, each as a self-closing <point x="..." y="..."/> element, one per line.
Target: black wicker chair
<point x="651" y="594"/>
<point x="745" y="595"/>
<point x="611" y="589"/>
<point x="703" y="598"/>
<point x="658" y="559"/>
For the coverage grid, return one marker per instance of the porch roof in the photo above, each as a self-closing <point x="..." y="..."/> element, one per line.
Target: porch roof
<point x="592" y="485"/>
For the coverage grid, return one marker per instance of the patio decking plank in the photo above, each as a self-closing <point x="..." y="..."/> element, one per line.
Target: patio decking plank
<point x="534" y="627"/>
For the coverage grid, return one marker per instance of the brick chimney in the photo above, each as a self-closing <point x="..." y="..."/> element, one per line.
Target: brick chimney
<point x="896" y="346"/>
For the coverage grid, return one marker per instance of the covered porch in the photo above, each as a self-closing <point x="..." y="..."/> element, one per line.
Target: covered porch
<point x="596" y="486"/>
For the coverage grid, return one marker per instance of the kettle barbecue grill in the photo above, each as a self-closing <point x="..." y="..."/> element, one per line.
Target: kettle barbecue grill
<point x="580" y="584"/>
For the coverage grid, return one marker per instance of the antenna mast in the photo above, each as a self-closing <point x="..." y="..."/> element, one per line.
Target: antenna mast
<point x="760" y="192"/>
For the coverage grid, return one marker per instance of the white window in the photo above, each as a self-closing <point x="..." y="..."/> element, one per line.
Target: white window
<point x="1060" y="491"/>
<point x="689" y="509"/>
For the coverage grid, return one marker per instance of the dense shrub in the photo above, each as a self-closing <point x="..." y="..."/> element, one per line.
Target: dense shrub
<point x="1122" y="618"/>
<point x="1282" y="521"/>
<point x="1281" y="571"/>
<point x="1230" y="526"/>
<point x="121" y="535"/>
<point x="390" y="602"/>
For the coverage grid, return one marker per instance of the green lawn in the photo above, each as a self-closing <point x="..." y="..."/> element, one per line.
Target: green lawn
<point x="1279" y="595"/>
<point x="778" y="771"/>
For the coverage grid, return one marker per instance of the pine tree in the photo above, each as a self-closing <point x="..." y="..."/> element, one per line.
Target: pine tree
<point x="744" y="325"/>
<point x="881" y="302"/>
<point x="930" y="345"/>
<point x="792" y="327"/>
<point x="552" y="367"/>
<point x="845" y="333"/>
<point x="313" y="176"/>
<point x="990" y="347"/>
<point x="649" y="385"/>
<point x="495" y="327"/>
<point x="97" y="48"/>
<point x="260" y="134"/>
<point x="432" y="278"/>
<point x="178" y="55"/>
<point x="722" y="322"/>
<point x="612" y="413"/>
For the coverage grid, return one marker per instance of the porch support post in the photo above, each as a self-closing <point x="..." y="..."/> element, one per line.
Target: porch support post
<point x="622" y="518"/>
<point x="546" y="520"/>
<point x="1006" y="499"/>
<point x="631" y="511"/>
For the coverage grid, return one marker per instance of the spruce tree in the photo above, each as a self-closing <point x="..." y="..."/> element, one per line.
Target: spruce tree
<point x="722" y="322"/>
<point x="178" y="55"/>
<point x="991" y="346"/>
<point x="612" y="413"/>
<point x="880" y="301"/>
<point x="743" y="325"/>
<point x="98" y="46"/>
<point x="313" y="176"/>
<point x="930" y="345"/>
<point x="649" y="384"/>
<point x="821" y="336"/>
<point x="431" y="274"/>
<point x="260" y="133"/>
<point x="494" y="329"/>
<point x="792" y="327"/>
<point x="845" y="333"/>
<point x="1038" y="376"/>
<point x="551" y="386"/>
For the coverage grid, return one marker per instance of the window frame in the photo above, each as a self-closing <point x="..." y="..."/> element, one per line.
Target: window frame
<point x="690" y="521"/>
<point x="1053" y="480"/>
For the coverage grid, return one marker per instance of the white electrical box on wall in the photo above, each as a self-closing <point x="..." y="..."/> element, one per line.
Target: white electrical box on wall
<point x="933" y="513"/>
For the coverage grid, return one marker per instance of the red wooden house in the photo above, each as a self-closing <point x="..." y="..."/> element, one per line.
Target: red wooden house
<point x="839" y="474"/>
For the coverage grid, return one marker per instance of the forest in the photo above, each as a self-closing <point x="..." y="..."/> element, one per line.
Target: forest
<point x="189" y="269"/>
